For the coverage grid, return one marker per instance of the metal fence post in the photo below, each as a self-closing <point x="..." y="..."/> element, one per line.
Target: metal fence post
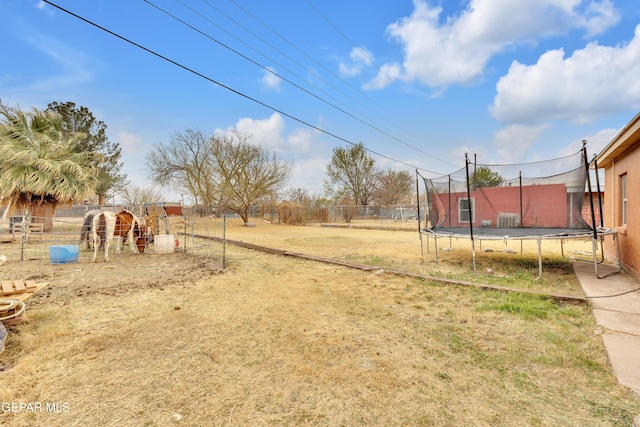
<point x="224" y="242"/>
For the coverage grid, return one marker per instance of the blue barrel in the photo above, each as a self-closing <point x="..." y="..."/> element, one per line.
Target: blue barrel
<point x="63" y="254"/>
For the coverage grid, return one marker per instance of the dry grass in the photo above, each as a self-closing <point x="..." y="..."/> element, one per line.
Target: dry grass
<point x="512" y="263"/>
<point x="281" y="341"/>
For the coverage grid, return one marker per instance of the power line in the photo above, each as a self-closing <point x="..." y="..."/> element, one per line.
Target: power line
<point x="329" y="71"/>
<point x="299" y="50"/>
<point x="248" y="30"/>
<point x="247" y="45"/>
<point x="265" y="67"/>
<point x="371" y="61"/>
<point x="337" y="30"/>
<point x="190" y="70"/>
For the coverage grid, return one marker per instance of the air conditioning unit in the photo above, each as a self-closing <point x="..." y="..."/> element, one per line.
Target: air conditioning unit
<point x="507" y="220"/>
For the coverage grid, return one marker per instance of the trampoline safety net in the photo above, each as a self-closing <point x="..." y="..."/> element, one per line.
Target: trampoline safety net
<point x="545" y="197"/>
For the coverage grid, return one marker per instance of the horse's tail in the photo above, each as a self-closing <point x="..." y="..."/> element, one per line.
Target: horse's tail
<point x="102" y="230"/>
<point x="86" y="228"/>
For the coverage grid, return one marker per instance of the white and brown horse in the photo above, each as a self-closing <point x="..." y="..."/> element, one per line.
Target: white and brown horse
<point x="87" y="227"/>
<point x="107" y="225"/>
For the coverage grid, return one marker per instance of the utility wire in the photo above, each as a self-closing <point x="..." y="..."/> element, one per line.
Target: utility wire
<point x="177" y="64"/>
<point x="267" y="69"/>
<point x="248" y="30"/>
<point x="330" y="72"/>
<point x="344" y="36"/>
<point x="248" y="46"/>
<point x="370" y="60"/>
<point x="264" y="24"/>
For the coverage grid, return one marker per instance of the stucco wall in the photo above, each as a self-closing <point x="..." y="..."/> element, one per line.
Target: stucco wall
<point x="543" y="205"/>
<point x="629" y="235"/>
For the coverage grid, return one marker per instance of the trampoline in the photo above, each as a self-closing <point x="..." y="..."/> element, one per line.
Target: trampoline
<point x="546" y="200"/>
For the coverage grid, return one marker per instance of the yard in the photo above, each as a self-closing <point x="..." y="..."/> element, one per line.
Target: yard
<point x="283" y="341"/>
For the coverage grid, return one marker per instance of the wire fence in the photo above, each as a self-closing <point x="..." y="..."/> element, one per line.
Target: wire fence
<point x="369" y="216"/>
<point x="50" y="250"/>
<point x="183" y="248"/>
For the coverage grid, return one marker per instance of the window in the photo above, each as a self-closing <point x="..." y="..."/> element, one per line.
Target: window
<point x="623" y="198"/>
<point x="463" y="210"/>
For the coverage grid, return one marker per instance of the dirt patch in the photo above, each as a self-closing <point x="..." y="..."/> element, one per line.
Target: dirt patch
<point x="123" y="273"/>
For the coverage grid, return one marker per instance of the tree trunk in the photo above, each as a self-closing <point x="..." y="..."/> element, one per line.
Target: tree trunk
<point x="244" y="215"/>
<point x="43" y="214"/>
<point x="102" y="200"/>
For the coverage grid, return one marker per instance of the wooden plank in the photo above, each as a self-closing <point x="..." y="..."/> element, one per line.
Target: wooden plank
<point x="26" y="295"/>
<point x="20" y="286"/>
<point x="7" y="287"/>
<point x="31" y="285"/>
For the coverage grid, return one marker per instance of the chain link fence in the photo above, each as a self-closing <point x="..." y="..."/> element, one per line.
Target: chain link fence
<point x="50" y="250"/>
<point x="375" y="216"/>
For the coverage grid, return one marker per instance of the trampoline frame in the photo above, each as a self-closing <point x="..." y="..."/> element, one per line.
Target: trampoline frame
<point x="600" y="236"/>
<point x="597" y="234"/>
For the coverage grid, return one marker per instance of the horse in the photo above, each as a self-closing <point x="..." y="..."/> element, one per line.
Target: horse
<point x="140" y="232"/>
<point x="87" y="227"/>
<point x="107" y="225"/>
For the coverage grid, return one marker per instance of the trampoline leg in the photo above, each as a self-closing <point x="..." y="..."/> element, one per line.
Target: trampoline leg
<point x="435" y="248"/>
<point x="562" y="247"/>
<point x="473" y="254"/>
<point x="595" y="258"/>
<point x="602" y="249"/>
<point x="539" y="259"/>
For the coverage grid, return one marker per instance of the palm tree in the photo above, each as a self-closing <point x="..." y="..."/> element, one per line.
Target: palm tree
<point x="39" y="169"/>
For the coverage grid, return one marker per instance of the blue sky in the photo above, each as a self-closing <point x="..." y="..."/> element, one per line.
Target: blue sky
<point x="419" y="82"/>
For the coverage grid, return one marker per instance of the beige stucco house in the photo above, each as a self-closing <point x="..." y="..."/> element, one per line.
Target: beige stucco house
<point x="621" y="162"/>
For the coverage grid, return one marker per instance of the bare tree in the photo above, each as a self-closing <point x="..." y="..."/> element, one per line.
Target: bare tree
<point x="351" y="173"/>
<point x="221" y="170"/>
<point x="392" y="187"/>
<point x="187" y="164"/>
<point x="246" y="172"/>
<point x="136" y="195"/>
<point x="299" y="195"/>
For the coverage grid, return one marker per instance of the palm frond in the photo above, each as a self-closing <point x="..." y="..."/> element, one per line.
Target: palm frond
<point x="38" y="161"/>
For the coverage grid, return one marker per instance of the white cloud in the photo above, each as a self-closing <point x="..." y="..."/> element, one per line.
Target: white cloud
<point x="67" y="70"/>
<point x="300" y="140"/>
<point x="512" y="143"/>
<point x="45" y="8"/>
<point x="457" y="154"/>
<point x="455" y="50"/>
<point x="309" y="173"/>
<point x="592" y="82"/>
<point x="360" y="57"/>
<point x="267" y="132"/>
<point x="595" y="143"/>
<point x="129" y="142"/>
<point x="311" y="157"/>
<point x="270" y="81"/>
<point x="271" y="133"/>
<point x="598" y="17"/>
<point x="388" y="73"/>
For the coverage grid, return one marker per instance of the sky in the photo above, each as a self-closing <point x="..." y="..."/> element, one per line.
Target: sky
<point x="419" y="83"/>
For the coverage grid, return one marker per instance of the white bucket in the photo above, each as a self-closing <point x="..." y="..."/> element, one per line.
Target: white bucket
<point x="164" y="243"/>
